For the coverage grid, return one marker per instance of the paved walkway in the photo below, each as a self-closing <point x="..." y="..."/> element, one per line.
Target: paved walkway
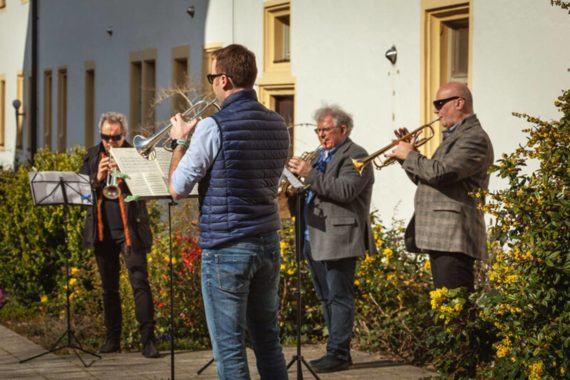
<point x="14" y="348"/>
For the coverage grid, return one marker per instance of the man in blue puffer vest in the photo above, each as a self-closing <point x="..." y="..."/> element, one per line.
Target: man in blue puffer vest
<point x="237" y="157"/>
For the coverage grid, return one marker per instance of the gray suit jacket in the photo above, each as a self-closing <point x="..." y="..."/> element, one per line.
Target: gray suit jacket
<point x="338" y="217"/>
<point x="446" y="218"/>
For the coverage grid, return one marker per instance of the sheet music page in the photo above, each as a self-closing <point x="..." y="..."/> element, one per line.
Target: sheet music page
<point x="145" y="177"/>
<point x="163" y="158"/>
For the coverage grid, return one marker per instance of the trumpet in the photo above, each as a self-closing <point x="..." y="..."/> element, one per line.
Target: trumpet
<point x="360" y="164"/>
<point x="145" y="146"/>
<point x="285" y="186"/>
<point x="111" y="189"/>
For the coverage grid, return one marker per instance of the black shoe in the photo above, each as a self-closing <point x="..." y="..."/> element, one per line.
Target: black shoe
<point x="110" y="345"/>
<point x="316" y="362"/>
<point x="331" y="364"/>
<point x="149" y="350"/>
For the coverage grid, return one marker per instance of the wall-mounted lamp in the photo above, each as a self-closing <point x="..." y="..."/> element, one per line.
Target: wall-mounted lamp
<point x="17" y="104"/>
<point x="392" y="54"/>
<point x="110" y="31"/>
<point x="190" y="11"/>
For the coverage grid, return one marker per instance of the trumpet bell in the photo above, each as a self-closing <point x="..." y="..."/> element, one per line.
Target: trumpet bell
<point x="112" y="192"/>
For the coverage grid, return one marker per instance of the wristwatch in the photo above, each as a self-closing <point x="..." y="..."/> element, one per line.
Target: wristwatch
<point x="176" y="142"/>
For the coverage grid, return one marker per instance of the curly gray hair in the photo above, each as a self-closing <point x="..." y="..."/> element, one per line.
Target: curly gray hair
<point x="339" y="116"/>
<point x="115" y="117"/>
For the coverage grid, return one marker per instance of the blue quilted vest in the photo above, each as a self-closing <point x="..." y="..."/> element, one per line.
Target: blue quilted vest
<point x="238" y="194"/>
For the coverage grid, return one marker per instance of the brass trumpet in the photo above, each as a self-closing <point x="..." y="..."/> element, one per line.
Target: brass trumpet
<point x="111" y="189"/>
<point x="285" y="186"/>
<point x="360" y="164"/>
<point x="145" y="145"/>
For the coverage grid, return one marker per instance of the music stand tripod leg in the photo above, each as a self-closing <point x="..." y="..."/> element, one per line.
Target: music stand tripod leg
<point x="68" y="331"/>
<point x="299" y="242"/>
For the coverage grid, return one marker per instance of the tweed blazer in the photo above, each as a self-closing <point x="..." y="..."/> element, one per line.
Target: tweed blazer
<point x="338" y="217"/>
<point x="446" y="218"/>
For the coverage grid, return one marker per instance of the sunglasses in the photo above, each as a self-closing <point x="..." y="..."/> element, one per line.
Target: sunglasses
<point x="211" y="77"/>
<point x="111" y="137"/>
<point x="439" y="103"/>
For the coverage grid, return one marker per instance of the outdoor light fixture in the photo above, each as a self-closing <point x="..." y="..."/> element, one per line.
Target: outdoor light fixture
<point x="17" y="104"/>
<point x="392" y="54"/>
<point x="190" y="11"/>
<point x="110" y="31"/>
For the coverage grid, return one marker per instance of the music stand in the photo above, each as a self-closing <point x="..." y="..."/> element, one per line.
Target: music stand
<point x="299" y="243"/>
<point x="62" y="188"/>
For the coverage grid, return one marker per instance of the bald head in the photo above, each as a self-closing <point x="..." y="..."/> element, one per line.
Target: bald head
<point x="457" y="109"/>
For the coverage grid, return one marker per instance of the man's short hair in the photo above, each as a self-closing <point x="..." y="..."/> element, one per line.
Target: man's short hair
<point x="237" y="62"/>
<point x="339" y="116"/>
<point x="114" y="117"/>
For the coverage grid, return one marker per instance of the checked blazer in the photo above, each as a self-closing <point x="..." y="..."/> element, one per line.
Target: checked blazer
<point x="446" y="217"/>
<point x="338" y="217"/>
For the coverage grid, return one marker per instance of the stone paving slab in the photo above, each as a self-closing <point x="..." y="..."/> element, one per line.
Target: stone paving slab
<point x="133" y="365"/>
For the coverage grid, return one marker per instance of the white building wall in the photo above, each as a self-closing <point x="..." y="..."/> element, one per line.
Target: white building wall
<point x="13" y="30"/>
<point x="519" y="63"/>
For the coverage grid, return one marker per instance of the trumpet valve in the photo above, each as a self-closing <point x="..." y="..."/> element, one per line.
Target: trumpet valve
<point x="358" y="165"/>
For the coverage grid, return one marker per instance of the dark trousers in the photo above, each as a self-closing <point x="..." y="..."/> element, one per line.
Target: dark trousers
<point x="452" y="270"/>
<point x="108" y="261"/>
<point x="334" y="285"/>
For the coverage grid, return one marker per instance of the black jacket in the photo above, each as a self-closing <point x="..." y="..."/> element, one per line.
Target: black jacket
<point x="137" y="215"/>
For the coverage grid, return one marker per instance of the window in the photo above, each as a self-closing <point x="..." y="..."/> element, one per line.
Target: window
<point x="48" y="86"/>
<point x="180" y="79"/>
<point x="206" y="66"/>
<point x="90" y="104"/>
<point x="2" y="112"/>
<point x="61" y="110"/>
<point x="143" y="83"/>
<point x="446" y="46"/>
<point x="20" y="121"/>
<point x="277" y="41"/>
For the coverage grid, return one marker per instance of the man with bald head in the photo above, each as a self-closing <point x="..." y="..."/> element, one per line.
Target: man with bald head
<point x="447" y="224"/>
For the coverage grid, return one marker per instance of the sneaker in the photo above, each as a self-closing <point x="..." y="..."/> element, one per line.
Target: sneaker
<point x="149" y="350"/>
<point x="111" y="345"/>
<point x="331" y="364"/>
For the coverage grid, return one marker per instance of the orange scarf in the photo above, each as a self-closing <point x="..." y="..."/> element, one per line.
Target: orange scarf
<point x="121" y="206"/>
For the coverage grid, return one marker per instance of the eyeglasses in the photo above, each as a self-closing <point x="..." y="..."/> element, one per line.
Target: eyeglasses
<point x="211" y="77"/>
<point x="324" y="130"/>
<point x="111" y="137"/>
<point x="439" y="103"/>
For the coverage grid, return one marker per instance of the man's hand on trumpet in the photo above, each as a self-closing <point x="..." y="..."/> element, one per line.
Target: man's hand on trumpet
<point x="401" y="151"/>
<point x="298" y="166"/>
<point x="106" y="164"/>
<point x="181" y="129"/>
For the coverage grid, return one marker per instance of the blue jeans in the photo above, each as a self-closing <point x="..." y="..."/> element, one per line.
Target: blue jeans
<point x="240" y="284"/>
<point x="334" y="285"/>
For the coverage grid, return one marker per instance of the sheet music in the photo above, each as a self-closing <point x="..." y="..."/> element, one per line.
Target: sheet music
<point x="293" y="180"/>
<point x="145" y="178"/>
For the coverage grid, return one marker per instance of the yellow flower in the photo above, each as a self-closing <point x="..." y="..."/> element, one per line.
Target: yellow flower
<point x="356" y="282"/>
<point x="427" y="265"/>
<point x="149" y="259"/>
<point x="282" y="268"/>
<point x="74" y="270"/>
<point x="504" y="347"/>
<point x="72" y="281"/>
<point x="44" y="299"/>
<point x="291" y="271"/>
<point x="535" y="371"/>
<point x="388" y="253"/>
<point x="437" y="297"/>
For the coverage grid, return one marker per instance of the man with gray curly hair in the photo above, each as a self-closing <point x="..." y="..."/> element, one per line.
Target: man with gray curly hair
<point x="337" y="230"/>
<point x="114" y="227"/>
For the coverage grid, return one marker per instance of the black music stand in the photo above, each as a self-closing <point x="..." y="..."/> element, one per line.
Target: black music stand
<point x="299" y="244"/>
<point x="62" y="188"/>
